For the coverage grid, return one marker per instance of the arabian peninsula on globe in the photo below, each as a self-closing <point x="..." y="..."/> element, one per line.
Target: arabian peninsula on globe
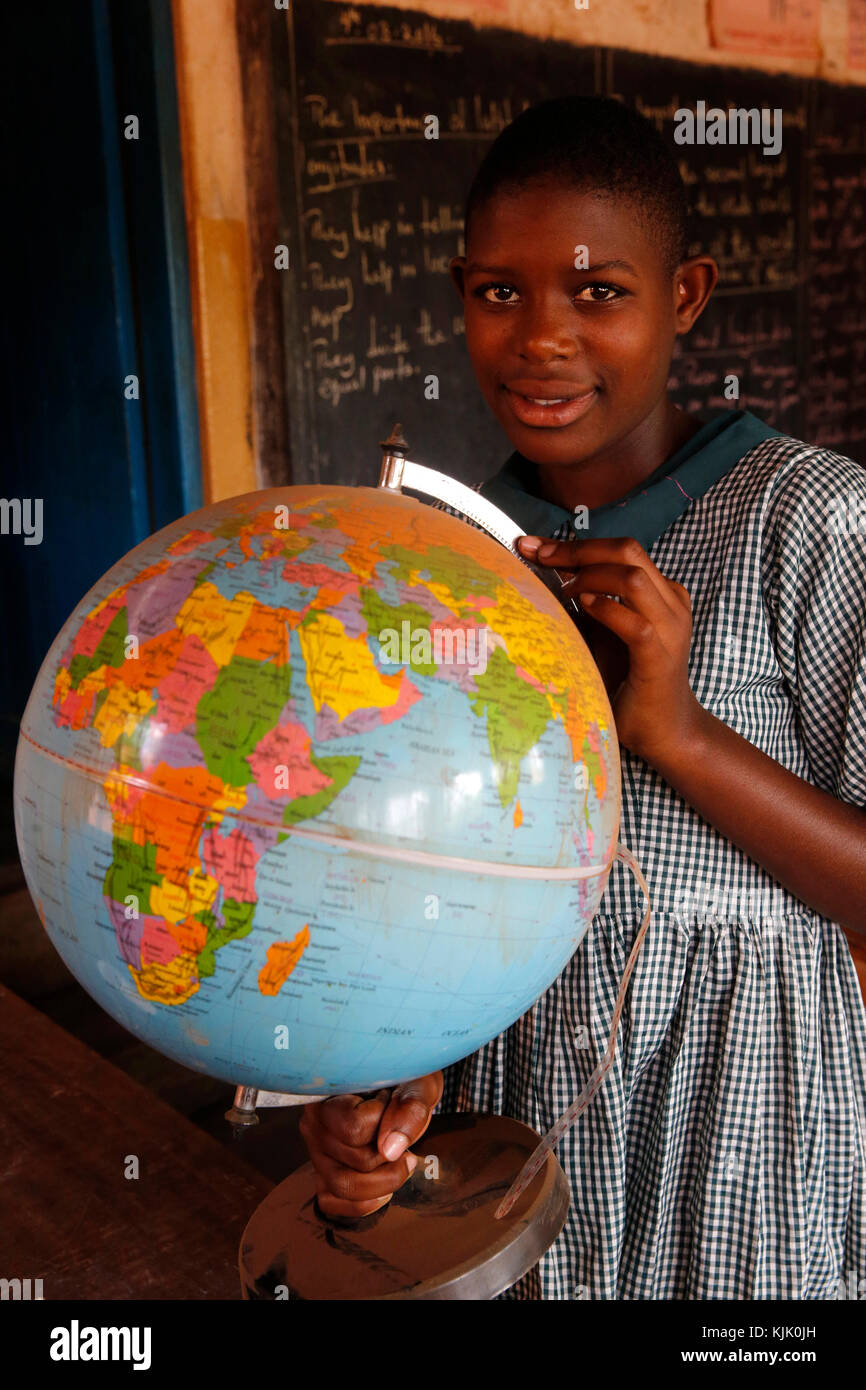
<point x="286" y="848"/>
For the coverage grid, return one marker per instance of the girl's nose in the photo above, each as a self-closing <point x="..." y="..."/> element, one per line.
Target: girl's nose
<point x="545" y="335"/>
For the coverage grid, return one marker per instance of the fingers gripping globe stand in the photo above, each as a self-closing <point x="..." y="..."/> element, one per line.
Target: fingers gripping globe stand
<point x="244" y="818"/>
<point x="477" y="1229"/>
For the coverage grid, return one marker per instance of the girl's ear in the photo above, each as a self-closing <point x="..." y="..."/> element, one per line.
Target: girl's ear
<point x="455" y="270"/>
<point x="694" y="282"/>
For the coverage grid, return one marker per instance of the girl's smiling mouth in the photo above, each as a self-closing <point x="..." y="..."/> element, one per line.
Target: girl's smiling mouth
<point x="547" y="403"/>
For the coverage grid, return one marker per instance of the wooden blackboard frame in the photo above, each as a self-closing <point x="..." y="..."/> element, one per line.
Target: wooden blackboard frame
<point x="262" y="121"/>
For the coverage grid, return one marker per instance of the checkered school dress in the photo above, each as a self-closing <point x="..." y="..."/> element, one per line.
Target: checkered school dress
<point x="725" y="1154"/>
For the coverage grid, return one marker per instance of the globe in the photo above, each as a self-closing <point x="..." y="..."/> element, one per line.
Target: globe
<point x="317" y="790"/>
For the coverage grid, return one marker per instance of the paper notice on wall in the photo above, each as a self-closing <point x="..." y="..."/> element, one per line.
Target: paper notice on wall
<point x="789" y="28"/>
<point x="470" y="8"/>
<point x="857" y="33"/>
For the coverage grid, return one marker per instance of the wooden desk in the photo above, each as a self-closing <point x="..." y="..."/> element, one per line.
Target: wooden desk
<point x="68" y="1215"/>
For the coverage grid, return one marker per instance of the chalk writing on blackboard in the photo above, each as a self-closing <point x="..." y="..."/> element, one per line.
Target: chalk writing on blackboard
<point x="835" y="395"/>
<point x="379" y="208"/>
<point x="357" y="26"/>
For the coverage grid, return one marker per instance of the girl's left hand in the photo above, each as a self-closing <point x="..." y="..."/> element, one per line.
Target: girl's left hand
<point x="654" y="707"/>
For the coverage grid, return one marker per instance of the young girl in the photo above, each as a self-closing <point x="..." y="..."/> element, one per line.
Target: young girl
<point x="725" y="603"/>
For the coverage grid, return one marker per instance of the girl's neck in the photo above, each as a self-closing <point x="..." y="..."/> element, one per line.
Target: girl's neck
<point x="609" y="475"/>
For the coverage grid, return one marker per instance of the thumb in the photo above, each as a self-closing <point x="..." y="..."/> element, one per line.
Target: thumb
<point x="408" y="1114"/>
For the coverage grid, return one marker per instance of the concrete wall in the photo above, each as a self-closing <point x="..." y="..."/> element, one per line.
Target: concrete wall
<point x="676" y="28"/>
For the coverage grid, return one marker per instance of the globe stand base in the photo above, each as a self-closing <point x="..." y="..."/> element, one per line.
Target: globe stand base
<point x="436" y="1239"/>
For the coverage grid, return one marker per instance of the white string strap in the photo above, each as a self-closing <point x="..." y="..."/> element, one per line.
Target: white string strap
<point x="539" y="1155"/>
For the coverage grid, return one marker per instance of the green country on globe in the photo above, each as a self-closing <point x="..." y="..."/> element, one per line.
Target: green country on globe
<point x="317" y="790"/>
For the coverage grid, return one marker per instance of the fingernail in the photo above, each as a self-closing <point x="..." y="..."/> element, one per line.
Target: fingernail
<point x="412" y="1160"/>
<point x="529" y="543"/>
<point x="394" y="1145"/>
<point x="587" y="599"/>
<point x="546" y="550"/>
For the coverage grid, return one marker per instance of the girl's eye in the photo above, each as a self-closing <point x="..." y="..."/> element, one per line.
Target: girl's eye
<point x="495" y="294"/>
<point x="599" y="292"/>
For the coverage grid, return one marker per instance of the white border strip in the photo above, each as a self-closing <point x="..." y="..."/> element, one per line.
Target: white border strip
<point x="451" y="861"/>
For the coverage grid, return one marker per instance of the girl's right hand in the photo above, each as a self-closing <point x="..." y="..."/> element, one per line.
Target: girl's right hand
<point x="359" y="1147"/>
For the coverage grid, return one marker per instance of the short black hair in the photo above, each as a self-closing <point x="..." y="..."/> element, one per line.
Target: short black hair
<point x="591" y="143"/>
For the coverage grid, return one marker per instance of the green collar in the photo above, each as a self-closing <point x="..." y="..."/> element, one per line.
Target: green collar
<point x="649" y="509"/>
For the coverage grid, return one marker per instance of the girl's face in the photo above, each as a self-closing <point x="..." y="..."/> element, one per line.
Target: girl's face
<point x="571" y="317"/>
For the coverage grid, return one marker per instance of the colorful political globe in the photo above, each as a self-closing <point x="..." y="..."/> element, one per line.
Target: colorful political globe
<point x="317" y="790"/>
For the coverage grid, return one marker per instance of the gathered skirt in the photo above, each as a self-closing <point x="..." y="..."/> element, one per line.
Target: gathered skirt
<point x="724" y="1155"/>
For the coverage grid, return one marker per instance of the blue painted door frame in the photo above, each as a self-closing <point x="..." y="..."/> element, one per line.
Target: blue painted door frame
<point x="96" y="293"/>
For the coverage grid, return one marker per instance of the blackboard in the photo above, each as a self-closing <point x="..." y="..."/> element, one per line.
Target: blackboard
<point x="834" y="394"/>
<point x="747" y="211"/>
<point x="371" y="213"/>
